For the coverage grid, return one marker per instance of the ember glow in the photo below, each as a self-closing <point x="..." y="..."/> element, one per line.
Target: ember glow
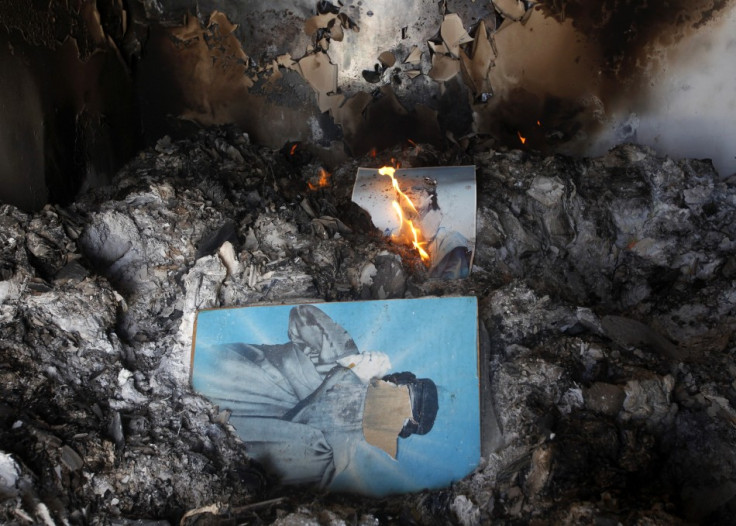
<point x="404" y="213"/>
<point x="521" y="137"/>
<point x="293" y="149"/>
<point x="320" y="182"/>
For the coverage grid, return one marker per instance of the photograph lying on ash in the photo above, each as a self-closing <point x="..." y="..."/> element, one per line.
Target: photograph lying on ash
<point x="374" y="398"/>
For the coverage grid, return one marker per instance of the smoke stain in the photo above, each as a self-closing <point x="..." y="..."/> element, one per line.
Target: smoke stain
<point x="575" y="62"/>
<point x="631" y="35"/>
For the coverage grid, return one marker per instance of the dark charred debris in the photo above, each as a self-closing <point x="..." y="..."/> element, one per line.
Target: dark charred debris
<point x="606" y="299"/>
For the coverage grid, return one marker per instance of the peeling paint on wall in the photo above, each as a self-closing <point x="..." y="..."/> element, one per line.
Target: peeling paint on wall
<point x="344" y="78"/>
<point x="546" y="71"/>
<point x="217" y="82"/>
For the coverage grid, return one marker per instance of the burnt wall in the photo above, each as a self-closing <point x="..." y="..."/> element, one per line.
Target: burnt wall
<point x="100" y="79"/>
<point x="70" y="117"/>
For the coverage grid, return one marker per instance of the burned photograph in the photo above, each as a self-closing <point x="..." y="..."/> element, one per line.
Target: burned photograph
<point x="431" y="209"/>
<point x="367" y="415"/>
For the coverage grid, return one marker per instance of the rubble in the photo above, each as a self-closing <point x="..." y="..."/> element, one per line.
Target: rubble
<point x="607" y="317"/>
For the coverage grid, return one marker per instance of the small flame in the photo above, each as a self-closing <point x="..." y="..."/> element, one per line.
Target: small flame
<point x="417" y="244"/>
<point x="388" y="170"/>
<point x="415" y="232"/>
<point x="539" y="123"/>
<point x="324" y="177"/>
<point x="521" y="137"/>
<point x="324" y="180"/>
<point x="399" y="212"/>
<point x="293" y="149"/>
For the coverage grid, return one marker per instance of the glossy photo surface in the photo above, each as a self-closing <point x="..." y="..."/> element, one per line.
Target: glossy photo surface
<point x="307" y="386"/>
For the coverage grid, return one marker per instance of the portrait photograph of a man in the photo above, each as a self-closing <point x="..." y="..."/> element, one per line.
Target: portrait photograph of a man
<point x="375" y="397"/>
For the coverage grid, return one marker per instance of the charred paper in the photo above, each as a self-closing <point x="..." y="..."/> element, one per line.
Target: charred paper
<point x="432" y="209"/>
<point x="375" y="398"/>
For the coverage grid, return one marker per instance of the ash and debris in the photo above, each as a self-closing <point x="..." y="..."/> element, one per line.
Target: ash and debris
<point x="605" y="288"/>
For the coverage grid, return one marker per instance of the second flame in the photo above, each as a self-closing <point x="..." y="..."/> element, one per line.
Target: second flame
<point x="321" y="181"/>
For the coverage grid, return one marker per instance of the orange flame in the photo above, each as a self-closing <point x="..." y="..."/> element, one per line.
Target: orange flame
<point x="324" y="177"/>
<point x="415" y="232"/>
<point x="293" y="149"/>
<point x="388" y="170"/>
<point x="399" y="212"/>
<point x="521" y="137"/>
<point x="539" y="123"/>
<point x="417" y="244"/>
<point x="324" y="180"/>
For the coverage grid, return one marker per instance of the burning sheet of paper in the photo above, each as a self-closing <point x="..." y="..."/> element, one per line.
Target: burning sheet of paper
<point x="431" y="209"/>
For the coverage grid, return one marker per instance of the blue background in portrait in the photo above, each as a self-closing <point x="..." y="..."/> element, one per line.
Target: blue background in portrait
<point x="431" y="337"/>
